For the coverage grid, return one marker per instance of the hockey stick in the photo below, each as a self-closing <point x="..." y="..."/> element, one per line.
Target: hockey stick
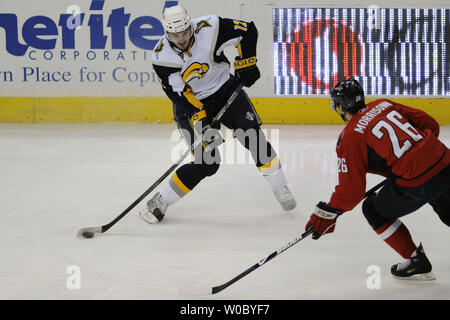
<point x="203" y="291"/>
<point x="94" y="231"/>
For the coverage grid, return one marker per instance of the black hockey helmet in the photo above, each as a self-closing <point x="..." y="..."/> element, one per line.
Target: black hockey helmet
<point x="349" y="94"/>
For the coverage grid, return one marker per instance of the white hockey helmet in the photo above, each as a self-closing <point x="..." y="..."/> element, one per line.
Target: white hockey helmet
<point x="176" y="19"/>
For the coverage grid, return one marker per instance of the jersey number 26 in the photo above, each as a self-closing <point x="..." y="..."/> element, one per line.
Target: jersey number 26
<point x="399" y="148"/>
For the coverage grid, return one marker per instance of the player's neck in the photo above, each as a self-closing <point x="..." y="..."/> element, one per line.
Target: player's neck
<point x="348" y="116"/>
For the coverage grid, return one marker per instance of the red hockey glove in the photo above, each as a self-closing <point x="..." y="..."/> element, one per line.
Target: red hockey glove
<point x="323" y="220"/>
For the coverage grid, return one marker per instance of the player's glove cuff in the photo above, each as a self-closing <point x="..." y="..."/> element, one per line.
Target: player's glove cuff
<point x="246" y="71"/>
<point x="326" y="212"/>
<point x="211" y="136"/>
<point x="200" y="116"/>
<point x="244" y="63"/>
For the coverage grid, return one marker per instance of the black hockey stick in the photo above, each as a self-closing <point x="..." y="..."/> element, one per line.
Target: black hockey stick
<point x="203" y="291"/>
<point x="91" y="232"/>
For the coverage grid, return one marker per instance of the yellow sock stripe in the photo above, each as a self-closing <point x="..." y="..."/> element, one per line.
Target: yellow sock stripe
<point x="180" y="184"/>
<point x="269" y="165"/>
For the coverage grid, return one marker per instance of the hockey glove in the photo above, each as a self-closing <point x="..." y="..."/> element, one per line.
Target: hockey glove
<point x="211" y="137"/>
<point x="246" y="71"/>
<point x="323" y="219"/>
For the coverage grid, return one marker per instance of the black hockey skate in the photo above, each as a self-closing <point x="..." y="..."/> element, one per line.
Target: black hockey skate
<point x="418" y="267"/>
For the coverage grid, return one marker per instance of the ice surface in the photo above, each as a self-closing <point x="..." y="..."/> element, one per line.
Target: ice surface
<point x="58" y="178"/>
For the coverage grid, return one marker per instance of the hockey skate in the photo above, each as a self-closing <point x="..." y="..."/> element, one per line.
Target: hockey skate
<point x="285" y="198"/>
<point x="154" y="210"/>
<point x="418" y="267"/>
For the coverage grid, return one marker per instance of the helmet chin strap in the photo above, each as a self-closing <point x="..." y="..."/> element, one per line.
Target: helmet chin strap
<point x="341" y="114"/>
<point x="187" y="47"/>
<point x="180" y="51"/>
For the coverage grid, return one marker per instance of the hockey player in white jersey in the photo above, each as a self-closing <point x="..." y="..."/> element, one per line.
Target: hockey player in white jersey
<point x="194" y="73"/>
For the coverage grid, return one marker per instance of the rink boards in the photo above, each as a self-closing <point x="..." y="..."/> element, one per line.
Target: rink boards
<point x="92" y="62"/>
<point x="159" y="109"/>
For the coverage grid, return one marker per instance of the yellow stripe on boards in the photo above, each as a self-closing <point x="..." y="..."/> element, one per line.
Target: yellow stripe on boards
<point x="159" y="109"/>
<point x="318" y="111"/>
<point x="86" y="109"/>
<point x="17" y="109"/>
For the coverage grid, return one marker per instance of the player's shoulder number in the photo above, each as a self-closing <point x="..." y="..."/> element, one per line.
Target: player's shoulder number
<point x="342" y="165"/>
<point x="399" y="148"/>
<point x="240" y="25"/>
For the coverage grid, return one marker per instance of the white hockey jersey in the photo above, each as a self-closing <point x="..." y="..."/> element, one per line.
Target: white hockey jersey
<point x="202" y="69"/>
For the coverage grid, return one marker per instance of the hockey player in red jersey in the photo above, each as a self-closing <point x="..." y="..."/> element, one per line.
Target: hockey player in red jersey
<point x="400" y="143"/>
<point x="194" y="73"/>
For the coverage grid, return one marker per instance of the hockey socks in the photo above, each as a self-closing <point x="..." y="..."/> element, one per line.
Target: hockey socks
<point x="278" y="183"/>
<point x="169" y="195"/>
<point x="174" y="190"/>
<point x="397" y="236"/>
<point x="274" y="174"/>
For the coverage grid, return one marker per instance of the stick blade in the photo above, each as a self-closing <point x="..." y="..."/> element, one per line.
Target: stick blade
<point x="195" y="291"/>
<point x="87" y="233"/>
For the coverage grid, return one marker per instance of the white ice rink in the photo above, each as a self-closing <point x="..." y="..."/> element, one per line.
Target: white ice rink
<point x="58" y="178"/>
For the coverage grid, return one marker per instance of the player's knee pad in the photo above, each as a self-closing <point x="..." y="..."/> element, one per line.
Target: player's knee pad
<point x="444" y="216"/>
<point x="371" y="215"/>
<point x="191" y="174"/>
<point x="254" y="140"/>
<point x="442" y="207"/>
<point x="208" y="164"/>
<point x="206" y="170"/>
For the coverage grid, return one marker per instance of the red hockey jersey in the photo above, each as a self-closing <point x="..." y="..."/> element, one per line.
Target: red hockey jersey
<point x="387" y="138"/>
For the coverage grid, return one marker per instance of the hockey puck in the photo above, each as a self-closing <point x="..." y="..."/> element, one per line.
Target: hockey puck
<point x="88" y="234"/>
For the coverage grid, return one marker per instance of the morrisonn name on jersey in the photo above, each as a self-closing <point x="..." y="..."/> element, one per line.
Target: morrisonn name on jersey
<point x="370" y="115"/>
